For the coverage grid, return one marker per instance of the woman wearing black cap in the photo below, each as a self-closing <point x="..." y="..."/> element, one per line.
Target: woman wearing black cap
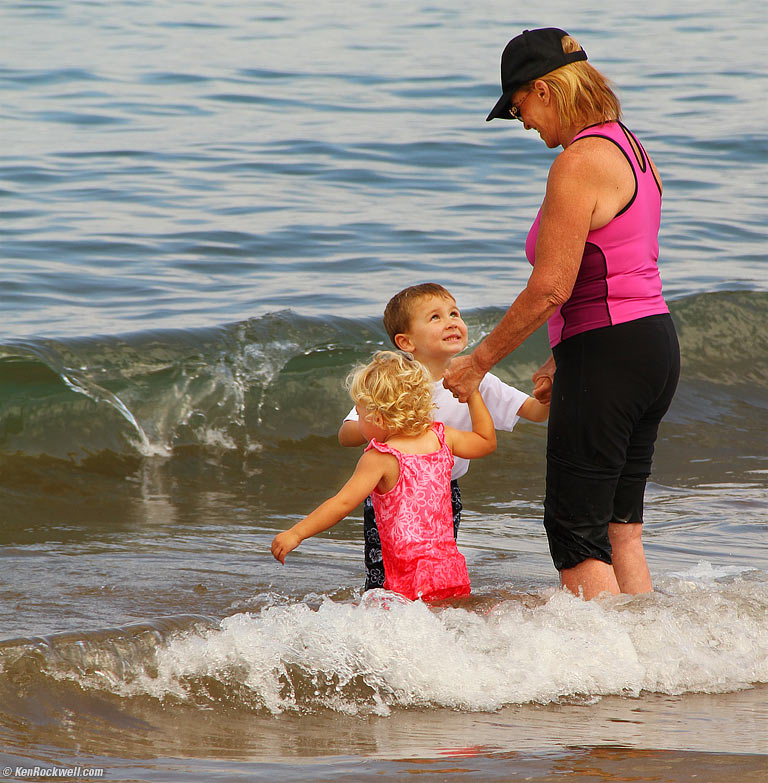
<point x="595" y="280"/>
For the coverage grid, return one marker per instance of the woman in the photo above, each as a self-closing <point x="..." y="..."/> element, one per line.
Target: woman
<point x="615" y="362"/>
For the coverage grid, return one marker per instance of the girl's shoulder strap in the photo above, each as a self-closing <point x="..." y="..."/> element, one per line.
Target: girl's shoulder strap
<point x="381" y="447"/>
<point x="439" y="429"/>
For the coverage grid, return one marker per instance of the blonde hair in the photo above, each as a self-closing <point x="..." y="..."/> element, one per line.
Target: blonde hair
<point x="582" y="94"/>
<point x="397" y="313"/>
<point x="396" y="391"/>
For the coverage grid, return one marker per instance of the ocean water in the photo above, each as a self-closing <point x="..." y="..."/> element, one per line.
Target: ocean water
<point x="205" y="207"/>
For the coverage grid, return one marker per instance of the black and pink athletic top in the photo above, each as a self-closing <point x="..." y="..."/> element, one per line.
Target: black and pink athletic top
<point x="618" y="280"/>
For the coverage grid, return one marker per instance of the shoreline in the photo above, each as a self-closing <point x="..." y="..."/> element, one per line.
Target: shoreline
<point x="663" y="737"/>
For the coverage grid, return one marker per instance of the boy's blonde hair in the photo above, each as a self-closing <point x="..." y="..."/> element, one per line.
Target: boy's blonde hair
<point x="397" y="313"/>
<point x="583" y="95"/>
<point x="396" y="391"/>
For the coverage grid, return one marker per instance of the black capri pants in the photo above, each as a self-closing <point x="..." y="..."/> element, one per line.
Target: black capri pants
<point x="611" y="388"/>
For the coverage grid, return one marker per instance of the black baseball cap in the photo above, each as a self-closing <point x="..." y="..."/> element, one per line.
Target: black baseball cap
<point x="528" y="56"/>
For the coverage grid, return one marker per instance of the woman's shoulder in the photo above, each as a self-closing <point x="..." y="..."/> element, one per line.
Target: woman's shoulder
<point x="607" y="142"/>
<point x="607" y="130"/>
<point x="588" y="159"/>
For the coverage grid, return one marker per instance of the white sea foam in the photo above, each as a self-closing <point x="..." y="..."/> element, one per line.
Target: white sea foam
<point x="705" y="571"/>
<point x="385" y="651"/>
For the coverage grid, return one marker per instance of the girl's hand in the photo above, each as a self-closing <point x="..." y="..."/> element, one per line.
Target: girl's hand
<point x="462" y="377"/>
<point x="283" y="543"/>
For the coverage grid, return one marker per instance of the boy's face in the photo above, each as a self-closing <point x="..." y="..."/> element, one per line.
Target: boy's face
<point x="436" y="332"/>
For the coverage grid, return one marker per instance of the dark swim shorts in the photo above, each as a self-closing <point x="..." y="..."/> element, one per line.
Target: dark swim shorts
<point x="611" y="389"/>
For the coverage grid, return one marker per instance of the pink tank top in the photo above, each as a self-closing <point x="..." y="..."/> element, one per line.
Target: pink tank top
<point x="415" y="522"/>
<point x="618" y="279"/>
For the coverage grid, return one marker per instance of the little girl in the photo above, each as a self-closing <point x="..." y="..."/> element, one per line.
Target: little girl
<point x="406" y="468"/>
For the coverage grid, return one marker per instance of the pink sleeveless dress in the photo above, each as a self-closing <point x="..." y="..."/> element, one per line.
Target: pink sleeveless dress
<point x="415" y="522"/>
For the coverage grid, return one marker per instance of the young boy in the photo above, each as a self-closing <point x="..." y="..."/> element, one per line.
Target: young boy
<point x="425" y="321"/>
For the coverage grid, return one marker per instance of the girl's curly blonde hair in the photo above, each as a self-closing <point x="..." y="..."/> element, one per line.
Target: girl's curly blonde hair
<point x="396" y="391"/>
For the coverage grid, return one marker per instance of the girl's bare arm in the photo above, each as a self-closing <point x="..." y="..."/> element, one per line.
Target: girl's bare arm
<point x="369" y="471"/>
<point x="481" y="440"/>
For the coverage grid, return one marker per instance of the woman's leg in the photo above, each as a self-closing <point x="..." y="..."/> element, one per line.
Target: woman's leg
<point x="629" y="563"/>
<point x="589" y="578"/>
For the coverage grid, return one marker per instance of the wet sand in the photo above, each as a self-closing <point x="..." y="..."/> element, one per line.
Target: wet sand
<point x="707" y="738"/>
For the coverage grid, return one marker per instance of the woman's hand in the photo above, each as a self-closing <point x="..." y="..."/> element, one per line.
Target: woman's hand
<point x="462" y="377"/>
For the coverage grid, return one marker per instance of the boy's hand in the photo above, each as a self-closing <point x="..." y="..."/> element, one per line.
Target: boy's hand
<point x="542" y="389"/>
<point x="283" y="543"/>
<point x="542" y="381"/>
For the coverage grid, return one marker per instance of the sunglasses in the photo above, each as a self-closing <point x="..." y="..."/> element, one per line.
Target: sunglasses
<point x="514" y="111"/>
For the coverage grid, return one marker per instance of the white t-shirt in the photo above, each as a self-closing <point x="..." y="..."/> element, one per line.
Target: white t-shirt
<point x="503" y="403"/>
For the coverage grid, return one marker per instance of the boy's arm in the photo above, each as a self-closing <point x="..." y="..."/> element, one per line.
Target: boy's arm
<point x="369" y="471"/>
<point x="349" y="434"/>
<point x="482" y="439"/>
<point x="533" y="410"/>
